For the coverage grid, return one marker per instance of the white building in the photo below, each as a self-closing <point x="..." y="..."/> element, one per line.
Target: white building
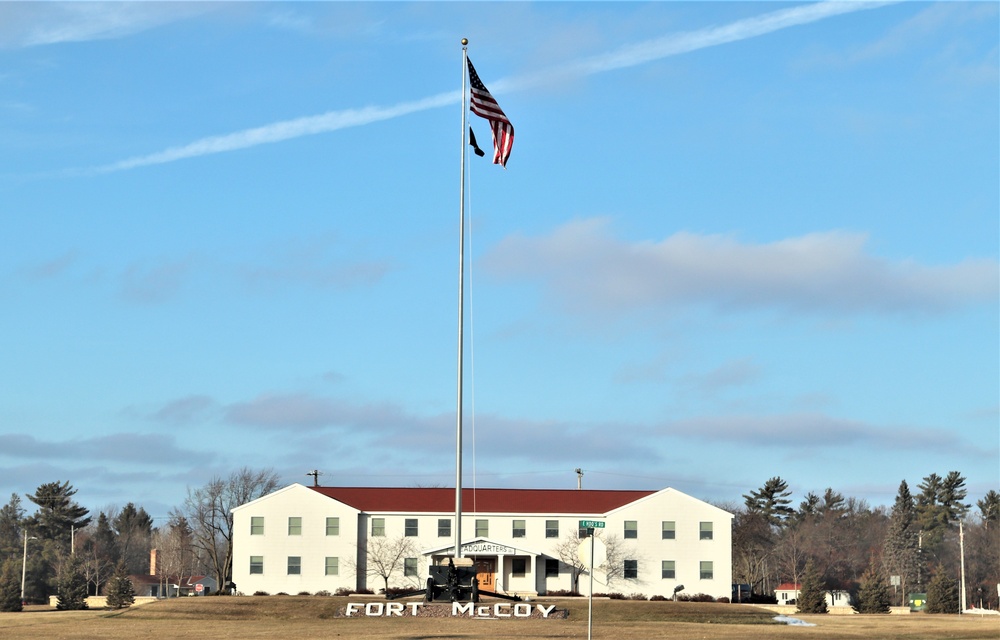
<point x="316" y="538"/>
<point x="788" y="593"/>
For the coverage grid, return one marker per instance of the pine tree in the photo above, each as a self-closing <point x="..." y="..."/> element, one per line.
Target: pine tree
<point x="873" y="595"/>
<point x="771" y="501"/>
<point x="10" y="587"/>
<point x="120" y="592"/>
<point x="989" y="508"/>
<point x="71" y="587"/>
<point x="942" y="593"/>
<point x="11" y="517"/>
<point x="901" y="550"/>
<point x="57" y="513"/>
<point x="812" y="594"/>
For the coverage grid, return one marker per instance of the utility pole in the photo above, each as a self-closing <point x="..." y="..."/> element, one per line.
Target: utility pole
<point x="579" y="478"/>
<point x="315" y="476"/>
<point x="24" y="563"/>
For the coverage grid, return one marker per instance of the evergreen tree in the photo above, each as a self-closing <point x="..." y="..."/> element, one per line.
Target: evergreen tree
<point x="901" y="552"/>
<point x="57" y="513"/>
<point x="11" y="518"/>
<point x="10" y="587"/>
<point x="942" y="593"/>
<point x="952" y="493"/>
<point x="873" y="594"/>
<point x="771" y="501"/>
<point x="135" y="529"/>
<point x="989" y="508"/>
<point x="71" y="587"/>
<point x="812" y="591"/>
<point x="120" y="591"/>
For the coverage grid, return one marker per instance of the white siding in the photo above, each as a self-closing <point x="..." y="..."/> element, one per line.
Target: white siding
<point x="687" y="550"/>
<point x="313" y="546"/>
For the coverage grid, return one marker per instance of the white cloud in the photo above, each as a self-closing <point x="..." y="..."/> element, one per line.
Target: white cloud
<point x="628" y="56"/>
<point x="28" y="24"/>
<point x="584" y="267"/>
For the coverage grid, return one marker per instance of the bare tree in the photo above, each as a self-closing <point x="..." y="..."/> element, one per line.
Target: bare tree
<point x="384" y="557"/>
<point x="209" y="513"/>
<point x="753" y="548"/>
<point x="567" y="550"/>
<point x="616" y="551"/>
<point x="174" y="555"/>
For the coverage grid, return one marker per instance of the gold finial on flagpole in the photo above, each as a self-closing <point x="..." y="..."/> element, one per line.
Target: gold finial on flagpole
<point x="465" y="41"/>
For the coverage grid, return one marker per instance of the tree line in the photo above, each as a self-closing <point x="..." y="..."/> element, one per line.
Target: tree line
<point x="847" y="543"/>
<point x="63" y="549"/>
<point x="843" y="542"/>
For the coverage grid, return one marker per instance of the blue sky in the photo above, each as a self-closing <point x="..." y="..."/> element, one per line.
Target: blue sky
<point x="733" y="241"/>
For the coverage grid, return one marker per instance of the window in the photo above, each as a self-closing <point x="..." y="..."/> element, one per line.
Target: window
<point x="294" y="565"/>
<point x="631" y="570"/>
<point x="518" y="567"/>
<point x="444" y="527"/>
<point x="256" y="565"/>
<point x="333" y="526"/>
<point x="669" y="529"/>
<point x="257" y="525"/>
<point x="518" y="529"/>
<point x="551" y="568"/>
<point x="378" y="527"/>
<point x="705" y="530"/>
<point x="482" y="527"/>
<point x="667" y="571"/>
<point x="706" y="570"/>
<point x="295" y="526"/>
<point x="332" y="567"/>
<point x="551" y="528"/>
<point x="409" y="567"/>
<point x="631" y="529"/>
<point x="410" y="528"/>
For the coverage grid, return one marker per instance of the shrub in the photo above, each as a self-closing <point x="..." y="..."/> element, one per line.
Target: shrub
<point x="564" y="593"/>
<point x="281" y="593"/>
<point x="120" y="592"/>
<point x="261" y="593"/>
<point x="71" y="587"/>
<point x="723" y="599"/>
<point x="812" y="593"/>
<point x="616" y="596"/>
<point x="344" y="591"/>
<point x="637" y="596"/>
<point x="658" y="598"/>
<point x="322" y="592"/>
<point x="10" y="587"/>
<point x="303" y="593"/>
<point x="873" y="595"/>
<point x="365" y="591"/>
<point x="942" y="593"/>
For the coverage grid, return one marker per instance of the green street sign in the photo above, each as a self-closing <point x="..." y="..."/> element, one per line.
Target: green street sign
<point x="591" y="524"/>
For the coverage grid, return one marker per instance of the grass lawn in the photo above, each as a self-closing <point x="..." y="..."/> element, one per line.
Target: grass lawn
<point x="305" y="617"/>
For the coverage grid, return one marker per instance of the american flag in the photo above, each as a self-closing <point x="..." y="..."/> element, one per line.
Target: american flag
<point x="484" y="106"/>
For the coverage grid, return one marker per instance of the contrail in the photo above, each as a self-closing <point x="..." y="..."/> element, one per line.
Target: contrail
<point x="627" y="56"/>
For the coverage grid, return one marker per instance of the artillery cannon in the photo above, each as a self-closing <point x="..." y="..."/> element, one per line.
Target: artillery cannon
<point x="451" y="583"/>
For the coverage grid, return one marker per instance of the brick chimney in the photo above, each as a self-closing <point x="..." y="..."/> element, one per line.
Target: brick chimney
<point x="152" y="562"/>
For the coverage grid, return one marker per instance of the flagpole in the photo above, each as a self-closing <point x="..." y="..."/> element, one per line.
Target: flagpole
<point x="461" y="315"/>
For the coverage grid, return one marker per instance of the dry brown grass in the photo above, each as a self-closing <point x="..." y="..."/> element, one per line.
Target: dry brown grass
<point x="304" y="617"/>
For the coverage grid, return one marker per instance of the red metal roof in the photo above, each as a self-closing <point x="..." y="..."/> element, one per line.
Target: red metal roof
<point x="788" y="586"/>
<point x="442" y="500"/>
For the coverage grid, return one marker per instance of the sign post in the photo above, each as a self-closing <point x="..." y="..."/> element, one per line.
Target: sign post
<point x="590" y="525"/>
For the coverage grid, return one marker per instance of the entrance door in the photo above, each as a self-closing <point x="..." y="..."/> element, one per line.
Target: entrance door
<point x="486" y="573"/>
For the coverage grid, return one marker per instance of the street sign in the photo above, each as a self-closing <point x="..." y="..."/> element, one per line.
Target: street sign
<point x="591" y="524"/>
